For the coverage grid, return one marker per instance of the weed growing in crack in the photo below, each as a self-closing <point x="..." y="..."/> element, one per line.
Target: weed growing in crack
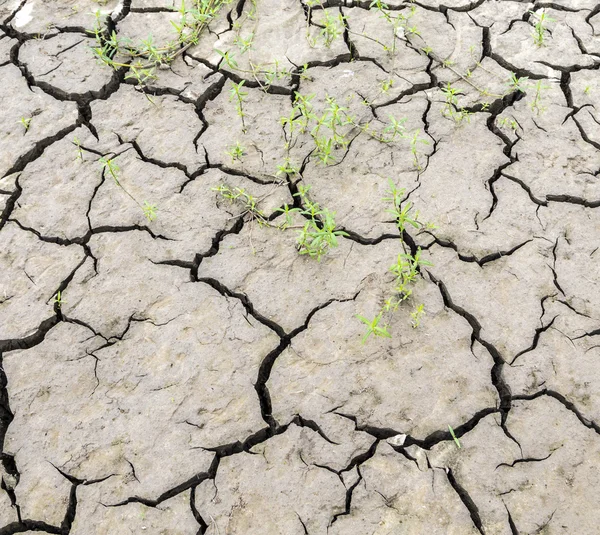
<point x="236" y="152"/>
<point x="451" y="109"/>
<point x="315" y="237"/>
<point x="398" y="24"/>
<point x="77" y="144"/>
<point x="318" y="234"/>
<point x="110" y="166"/>
<point x="517" y="84"/>
<point x="406" y="269"/>
<point x="244" y="43"/>
<point x="144" y="58"/>
<point x="270" y="72"/>
<point x="539" y="26"/>
<point x="26" y="122"/>
<point x="507" y="122"/>
<point x="248" y="201"/>
<point x="331" y="26"/>
<point x="454" y="437"/>
<point x="237" y="95"/>
<point x="58" y="300"/>
<point x="288" y="167"/>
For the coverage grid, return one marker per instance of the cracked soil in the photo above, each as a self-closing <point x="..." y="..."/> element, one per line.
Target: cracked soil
<point x="193" y="374"/>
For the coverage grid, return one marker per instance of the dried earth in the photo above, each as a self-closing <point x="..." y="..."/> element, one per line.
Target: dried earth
<point x="198" y="376"/>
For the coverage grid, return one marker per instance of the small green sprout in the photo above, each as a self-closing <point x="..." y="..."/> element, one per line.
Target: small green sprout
<point x="539" y="28"/>
<point x="26" y="122"/>
<point x="77" y="143"/>
<point x="373" y="327"/>
<point x="236" y="152"/>
<point x="236" y="94"/>
<point x="416" y="316"/>
<point x="456" y="441"/>
<point x="517" y="84"/>
<point x="536" y="103"/>
<point x="149" y="211"/>
<point x="109" y="165"/>
<point x="58" y="300"/>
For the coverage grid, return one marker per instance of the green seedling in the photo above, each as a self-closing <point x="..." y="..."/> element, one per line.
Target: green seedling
<point x="237" y="95"/>
<point x="416" y="316"/>
<point x="58" y="300"/>
<point x="450" y="109"/>
<point x="26" y="122"/>
<point x="536" y="103"/>
<point x="110" y="166"/>
<point x="402" y="214"/>
<point x="414" y="149"/>
<point x="318" y="234"/>
<point x="77" y="143"/>
<point x="454" y="437"/>
<point x="587" y="89"/>
<point x="517" y="84"/>
<point x="244" y="43"/>
<point x="143" y="58"/>
<point x="236" y="152"/>
<point x="332" y="27"/>
<point x="508" y="123"/>
<point x="248" y="201"/>
<point x="373" y="327"/>
<point x="228" y="58"/>
<point x="288" y="167"/>
<point x="149" y="211"/>
<point x="407" y="267"/>
<point x="539" y="27"/>
<point x="395" y="128"/>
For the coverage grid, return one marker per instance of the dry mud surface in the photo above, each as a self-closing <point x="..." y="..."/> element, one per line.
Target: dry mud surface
<point x="200" y="376"/>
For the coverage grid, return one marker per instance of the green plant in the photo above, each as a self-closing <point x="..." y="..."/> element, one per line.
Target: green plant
<point x="536" y="103"/>
<point x="451" y="109"/>
<point x="26" y="122"/>
<point x="237" y="95"/>
<point x="454" y="437"/>
<point x="509" y="123"/>
<point x="417" y="314"/>
<point x="332" y="27"/>
<point x="373" y="327"/>
<point x="58" y="300"/>
<point x="318" y="234"/>
<point x="77" y="143"/>
<point x="244" y="43"/>
<point x="517" y="84"/>
<point x="539" y="27"/>
<point x="248" y="201"/>
<point x="142" y="59"/>
<point x="149" y="211"/>
<point x="414" y="149"/>
<point x="236" y="152"/>
<point x="395" y="128"/>
<point x="405" y="270"/>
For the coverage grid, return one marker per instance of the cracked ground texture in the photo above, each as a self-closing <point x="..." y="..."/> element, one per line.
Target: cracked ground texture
<point x="198" y="376"/>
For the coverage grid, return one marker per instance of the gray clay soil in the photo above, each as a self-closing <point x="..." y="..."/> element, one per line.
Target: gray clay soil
<point x="200" y="376"/>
